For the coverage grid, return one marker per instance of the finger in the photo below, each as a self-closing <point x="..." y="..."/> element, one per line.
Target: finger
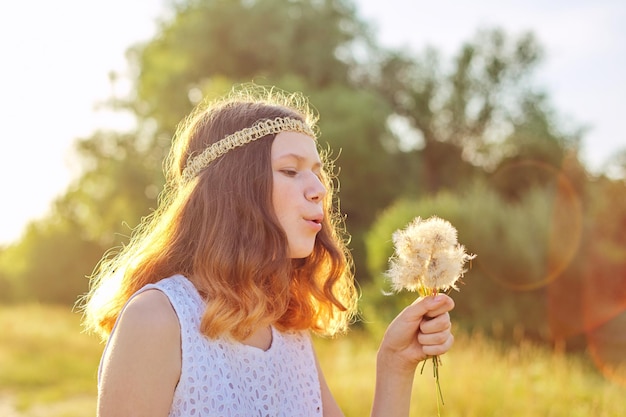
<point x="432" y="339"/>
<point x="440" y="349"/>
<point x="436" y="324"/>
<point x="443" y="305"/>
<point x="423" y="306"/>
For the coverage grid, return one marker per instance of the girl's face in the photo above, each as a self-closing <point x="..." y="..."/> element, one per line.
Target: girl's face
<point x="297" y="192"/>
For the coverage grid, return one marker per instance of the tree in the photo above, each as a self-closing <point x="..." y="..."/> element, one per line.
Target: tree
<point x="50" y="263"/>
<point x="240" y="40"/>
<point x="198" y="53"/>
<point x="465" y="113"/>
<point x="120" y="183"/>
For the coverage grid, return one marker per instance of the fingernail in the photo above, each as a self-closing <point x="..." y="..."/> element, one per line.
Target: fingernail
<point x="437" y="299"/>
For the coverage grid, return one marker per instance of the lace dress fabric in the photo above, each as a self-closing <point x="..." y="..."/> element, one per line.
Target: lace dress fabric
<point x="229" y="379"/>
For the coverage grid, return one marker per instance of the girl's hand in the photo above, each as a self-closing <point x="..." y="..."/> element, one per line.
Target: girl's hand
<point x="421" y="330"/>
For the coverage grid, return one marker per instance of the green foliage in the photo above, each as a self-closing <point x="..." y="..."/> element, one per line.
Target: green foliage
<point x="241" y="40"/>
<point x="466" y="110"/>
<point x="352" y="123"/>
<point x="605" y="250"/>
<point x="515" y="248"/>
<point x="120" y="184"/>
<point x="57" y="253"/>
<point x="550" y="265"/>
<point x="50" y="264"/>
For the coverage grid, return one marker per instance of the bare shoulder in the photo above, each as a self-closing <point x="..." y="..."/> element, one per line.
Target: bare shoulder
<point x="147" y="328"/>
<point x="142" y="361"/>
<point x="150" y="306"/>
<point x="149" y="313"/>
<point x="147" y="332"/>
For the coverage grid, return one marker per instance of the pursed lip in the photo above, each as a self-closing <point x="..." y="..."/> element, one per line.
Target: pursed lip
<point x="315" y="221"/>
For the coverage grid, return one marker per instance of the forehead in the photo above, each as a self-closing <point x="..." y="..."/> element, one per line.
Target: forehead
<point x="294" y="144"/>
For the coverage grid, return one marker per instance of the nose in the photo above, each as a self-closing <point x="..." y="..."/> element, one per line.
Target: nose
<point x="316" y="190"/>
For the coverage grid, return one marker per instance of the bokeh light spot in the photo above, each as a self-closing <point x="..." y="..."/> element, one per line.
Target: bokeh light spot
<point x="557" y="233"/>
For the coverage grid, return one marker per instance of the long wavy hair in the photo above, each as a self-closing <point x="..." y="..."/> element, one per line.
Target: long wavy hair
<point x="220" y="231"/>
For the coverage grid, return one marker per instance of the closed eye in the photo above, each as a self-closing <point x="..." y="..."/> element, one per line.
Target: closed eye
<point x="289" y="172"/>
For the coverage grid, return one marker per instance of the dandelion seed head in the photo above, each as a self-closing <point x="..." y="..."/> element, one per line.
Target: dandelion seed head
<point x="427" y="255"/>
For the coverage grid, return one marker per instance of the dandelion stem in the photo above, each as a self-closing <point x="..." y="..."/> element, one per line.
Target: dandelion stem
<point x="428" y="259"/>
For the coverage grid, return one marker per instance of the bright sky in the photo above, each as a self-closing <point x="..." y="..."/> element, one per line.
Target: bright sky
<point x="57" y="56"/>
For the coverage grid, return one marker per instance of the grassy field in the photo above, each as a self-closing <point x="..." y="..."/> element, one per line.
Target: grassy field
<point x="48" y="368"/>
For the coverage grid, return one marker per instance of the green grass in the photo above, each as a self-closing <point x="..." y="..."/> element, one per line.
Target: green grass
<point x="48" y="368"/>
<point x="480" y="378"/>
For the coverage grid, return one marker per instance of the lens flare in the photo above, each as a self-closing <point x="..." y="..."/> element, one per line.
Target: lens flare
<point x="559" y="240"/>
<point x="607" y="348"/>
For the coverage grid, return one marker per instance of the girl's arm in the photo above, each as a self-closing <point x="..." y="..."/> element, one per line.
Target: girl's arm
<point x="419" y="331"/>
<point x="142" y="362"/>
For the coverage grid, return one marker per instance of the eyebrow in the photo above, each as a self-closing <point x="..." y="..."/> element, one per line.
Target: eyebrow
<point x="299" y="158"/>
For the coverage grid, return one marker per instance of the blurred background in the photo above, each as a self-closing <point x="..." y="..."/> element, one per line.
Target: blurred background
<point x="504" y="118"/>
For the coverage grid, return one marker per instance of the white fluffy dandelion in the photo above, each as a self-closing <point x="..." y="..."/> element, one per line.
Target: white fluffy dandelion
<point x="427" y="258"/>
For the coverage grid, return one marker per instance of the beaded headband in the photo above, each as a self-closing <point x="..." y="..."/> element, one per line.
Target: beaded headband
<point x="240" y="138"/>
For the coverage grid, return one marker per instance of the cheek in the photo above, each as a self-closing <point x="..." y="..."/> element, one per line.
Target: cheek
<point x="280" y="199"/>
<point x="276" y="191"/>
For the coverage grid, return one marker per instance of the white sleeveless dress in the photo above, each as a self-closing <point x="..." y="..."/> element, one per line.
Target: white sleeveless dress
<point x="223" y="378"/>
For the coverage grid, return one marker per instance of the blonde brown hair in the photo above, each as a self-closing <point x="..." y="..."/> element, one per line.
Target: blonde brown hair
<point x="220" y="231"/>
